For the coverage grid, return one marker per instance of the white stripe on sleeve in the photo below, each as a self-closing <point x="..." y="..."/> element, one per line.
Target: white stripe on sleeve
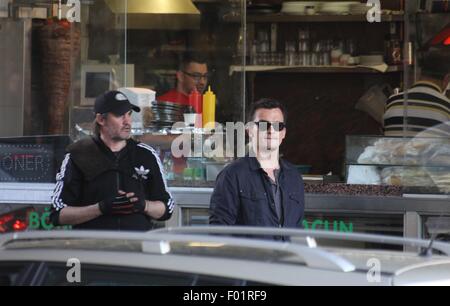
<point x="56" y="197"/>
<point x="170" y="203"/>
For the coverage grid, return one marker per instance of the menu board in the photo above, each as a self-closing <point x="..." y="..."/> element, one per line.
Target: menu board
<point x="31" y="160"/>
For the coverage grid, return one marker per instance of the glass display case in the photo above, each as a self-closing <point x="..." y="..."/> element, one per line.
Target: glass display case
<point x="191" y="157"/>
<point x="412" y="162"/>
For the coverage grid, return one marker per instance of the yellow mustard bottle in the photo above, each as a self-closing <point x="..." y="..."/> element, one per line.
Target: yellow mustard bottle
<point x="209" y="109"/>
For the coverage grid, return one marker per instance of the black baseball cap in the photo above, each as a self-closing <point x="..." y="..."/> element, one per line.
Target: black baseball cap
<point x="114" y="102"/>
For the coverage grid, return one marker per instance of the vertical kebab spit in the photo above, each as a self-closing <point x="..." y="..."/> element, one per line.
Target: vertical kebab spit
<point x="60" y="44"/>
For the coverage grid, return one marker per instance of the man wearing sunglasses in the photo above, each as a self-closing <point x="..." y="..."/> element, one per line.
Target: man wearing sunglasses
<point x="192" y="74"/>
<point x="260" y="189"/>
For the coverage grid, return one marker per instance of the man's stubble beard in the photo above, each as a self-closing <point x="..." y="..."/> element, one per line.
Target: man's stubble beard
<point x="116" y="137"/>
<point x="119" y="138"/>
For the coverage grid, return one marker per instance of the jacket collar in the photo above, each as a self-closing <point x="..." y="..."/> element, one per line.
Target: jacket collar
<point x="255" y="165"/>
<point x="111" y="155"/>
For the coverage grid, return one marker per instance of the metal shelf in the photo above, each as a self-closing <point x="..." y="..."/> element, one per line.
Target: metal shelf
<point x="310" y="18"/>
<point x="313" y="69"/>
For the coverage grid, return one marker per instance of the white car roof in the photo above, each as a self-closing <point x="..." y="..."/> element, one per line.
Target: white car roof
<point x="201" y="250"/>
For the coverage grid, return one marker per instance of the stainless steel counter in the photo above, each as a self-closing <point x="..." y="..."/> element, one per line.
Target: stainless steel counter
<point x="399" y="215"/>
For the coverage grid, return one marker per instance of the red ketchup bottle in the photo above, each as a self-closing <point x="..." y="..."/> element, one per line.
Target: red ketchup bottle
<point x="196" y="101"/>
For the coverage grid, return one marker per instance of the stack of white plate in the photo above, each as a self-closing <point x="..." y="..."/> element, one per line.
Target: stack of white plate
<point x="299" y="7"/>
<point x="337" y="8"/>
<point x="359" y="9"/>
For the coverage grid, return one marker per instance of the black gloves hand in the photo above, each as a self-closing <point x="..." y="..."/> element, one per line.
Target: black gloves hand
<point x="139" y="206"/>
<point x="122" y="204"/>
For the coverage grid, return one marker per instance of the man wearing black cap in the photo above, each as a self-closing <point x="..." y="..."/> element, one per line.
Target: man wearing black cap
<point x="109" y="181"/>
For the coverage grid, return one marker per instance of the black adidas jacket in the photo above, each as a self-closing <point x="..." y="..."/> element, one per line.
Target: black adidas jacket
<point x="91" y="172"/>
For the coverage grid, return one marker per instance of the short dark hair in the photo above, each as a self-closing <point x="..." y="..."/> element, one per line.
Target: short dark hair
<point x="435" y="63"/>
<point x="267" y="103"/>
<point x="192" y="57"/>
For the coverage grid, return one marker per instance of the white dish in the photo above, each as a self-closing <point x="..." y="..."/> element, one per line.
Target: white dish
<point x="300" y="3"/>
<point x="337" y="7"/>
<point x="360" y="8"/>
<point x="371" y="60"/>
<point x="299" y="7"/>
<point x="336" y="10"/>
<point x="340" y="3"/>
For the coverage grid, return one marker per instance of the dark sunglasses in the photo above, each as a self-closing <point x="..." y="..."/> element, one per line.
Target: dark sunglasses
<point x="264" y="126"/>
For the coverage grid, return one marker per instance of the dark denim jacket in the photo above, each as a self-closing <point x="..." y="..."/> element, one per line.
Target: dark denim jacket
<point x="243" y="197"/>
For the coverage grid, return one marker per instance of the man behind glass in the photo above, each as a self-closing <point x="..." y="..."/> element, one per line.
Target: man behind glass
<point x="192" y="74"/>
<point x="427" y="107"/>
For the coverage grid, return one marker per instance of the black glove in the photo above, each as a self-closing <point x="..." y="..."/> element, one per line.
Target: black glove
<point x="120" y="205"/>
<point x="139" y="206"/>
